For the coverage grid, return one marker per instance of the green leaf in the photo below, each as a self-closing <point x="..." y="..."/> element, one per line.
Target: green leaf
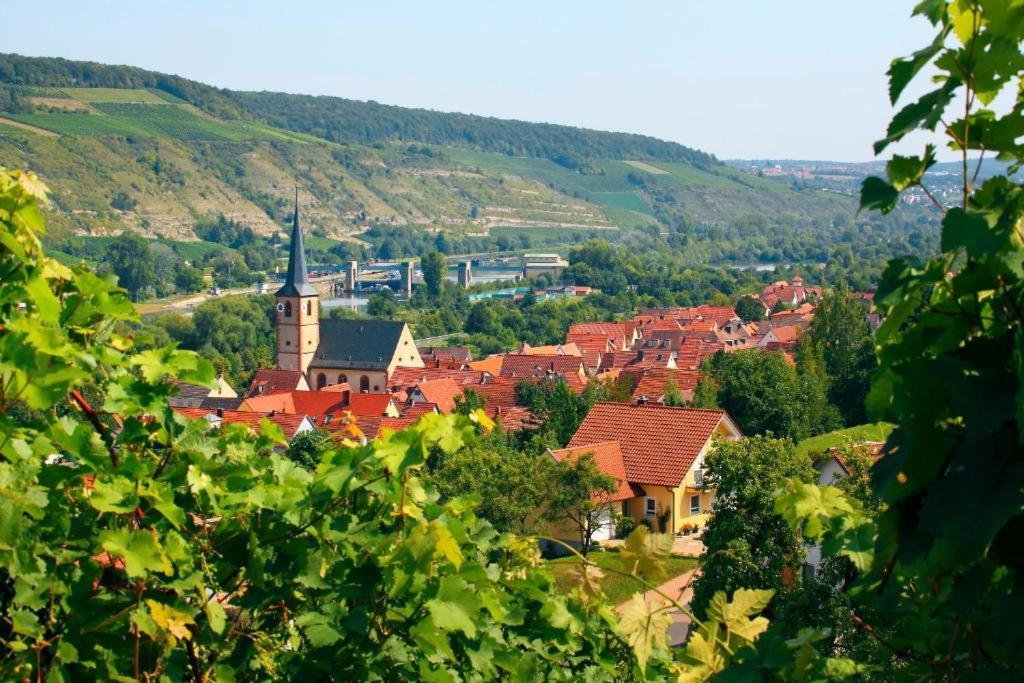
<point x="455" y="607"/>
<point x="217" y="616"/>
<point x="140" y="550"/>
<point x="47" y="303"/>
<point x="902" y="71"/>
<point x="647" y="552"/>
<point x="875" y="193"/>
<point x="645" y="627"/>
<point x="925" y="113"/>
<point x="970" y="231"/>
<point x="904" y="172"/>
<point x="318" y="629"/>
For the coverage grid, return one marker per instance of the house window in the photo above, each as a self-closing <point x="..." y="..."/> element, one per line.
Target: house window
<point x="650" y="506"/>
<point x="627" y="508"/>
<point x="698" y="477"/>
<point x="309" y="307"/>
<point x="342" y="379"/>
<point x="321" y="381"/>
<point x="809" y="571"/>
<point x="287" y="309"/>
<point x="364" y="383"/>
<point x="694" y="505"/>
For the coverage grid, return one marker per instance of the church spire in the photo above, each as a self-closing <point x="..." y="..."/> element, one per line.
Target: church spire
<point x="296" y="282"/>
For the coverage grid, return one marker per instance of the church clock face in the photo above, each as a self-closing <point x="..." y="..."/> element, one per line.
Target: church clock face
<point x="280" y="308"/>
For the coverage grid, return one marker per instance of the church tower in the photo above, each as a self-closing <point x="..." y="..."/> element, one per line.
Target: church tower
<point x="297" y="320"/>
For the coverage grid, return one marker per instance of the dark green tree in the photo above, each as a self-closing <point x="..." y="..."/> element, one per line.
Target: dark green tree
<point x="187" y="279"/>
<point x="748" y="545"/>
<point x="307" y="449"/>
<point x="131" y="261"/>
<point x="761" y="391"/>
<point x="840" y="330"/>
<point x="578" y="497"/>
<point x="749" y="309"/>
<point x="434" y="267"/>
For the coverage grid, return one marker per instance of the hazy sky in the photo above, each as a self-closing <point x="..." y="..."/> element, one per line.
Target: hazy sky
<point x="798" y="79"/>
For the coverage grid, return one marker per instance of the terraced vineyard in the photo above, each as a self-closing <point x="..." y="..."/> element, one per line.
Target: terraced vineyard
<point x="141" y="113"/>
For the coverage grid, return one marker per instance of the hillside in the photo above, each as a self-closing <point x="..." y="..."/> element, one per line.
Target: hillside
<point x="129" y="148"/>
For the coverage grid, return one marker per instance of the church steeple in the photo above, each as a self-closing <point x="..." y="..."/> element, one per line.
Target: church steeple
<point x="298" y="308"/>
<point x="296" y="282"/>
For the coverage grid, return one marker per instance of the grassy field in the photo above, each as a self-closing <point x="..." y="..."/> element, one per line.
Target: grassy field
<point x="618" y="588"/>
<point x="878" y="431"/>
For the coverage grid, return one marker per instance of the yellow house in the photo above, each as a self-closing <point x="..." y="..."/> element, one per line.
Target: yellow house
<point x="662" y="452"/>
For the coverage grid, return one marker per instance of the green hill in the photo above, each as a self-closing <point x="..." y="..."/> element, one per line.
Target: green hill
<point x="129" y="148"/>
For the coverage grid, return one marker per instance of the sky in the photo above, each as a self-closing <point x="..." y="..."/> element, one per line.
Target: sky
<point x="763" y="79"/>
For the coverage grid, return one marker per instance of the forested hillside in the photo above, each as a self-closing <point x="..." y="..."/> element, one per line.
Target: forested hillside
<point x="343" y="120"/>
<point x="161" y="155"/>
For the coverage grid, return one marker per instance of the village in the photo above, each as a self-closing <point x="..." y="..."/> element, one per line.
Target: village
<point x="369" y="377"/>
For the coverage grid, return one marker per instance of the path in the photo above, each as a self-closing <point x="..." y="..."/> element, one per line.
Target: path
<point x="679" y="588"/>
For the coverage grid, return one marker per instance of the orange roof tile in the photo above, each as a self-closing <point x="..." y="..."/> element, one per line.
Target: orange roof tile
<point x="491" y="364"/>
<point x="369" y="404"/>
<point x="608" y="458"/>
<point x="659" y="444"/>
<point x="280" y="402"/>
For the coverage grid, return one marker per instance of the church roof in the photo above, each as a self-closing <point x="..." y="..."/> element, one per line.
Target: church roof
<point x="357" y="344"/>
<point x="296" y="282"/>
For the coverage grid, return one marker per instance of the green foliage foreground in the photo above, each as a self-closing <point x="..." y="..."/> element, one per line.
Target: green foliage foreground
<point x="137" y="545"/>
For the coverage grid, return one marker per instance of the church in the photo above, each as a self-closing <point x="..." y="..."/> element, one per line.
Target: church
<point x="361" y="353"/>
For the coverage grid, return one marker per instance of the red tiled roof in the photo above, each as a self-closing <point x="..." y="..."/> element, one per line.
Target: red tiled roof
<point x="280" y="402"/>
<point x="404" y="378"/>
<point x="419" y="409"/>
<point x="337" y="388"/>
<point x="659" y="443"/>
<point x="267" y="381"/>
<point x="788" y="334"/>
<point x="512" y="418"/>
<point x="441" y="392"/>
<point x="369" y="404"/>
<point x="652" y="382"/>
<point x="499" y="391"/>
<point x="591" y="347"/>
<point x="610" y="330"/>
<point x="720" y="314"/>
<point x="445" y="353"/>
<point x="491" y="364"/>
<point x="608" y="458"/>
<point x="515" y="365"/>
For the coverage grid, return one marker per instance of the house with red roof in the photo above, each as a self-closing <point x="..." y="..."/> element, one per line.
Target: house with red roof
<point x="438" y="392"/>
<point x="269" y="381"/>
<point x="557" y="366"/>
<point x="663" y="450"/>
<point x="781" y="338"/>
